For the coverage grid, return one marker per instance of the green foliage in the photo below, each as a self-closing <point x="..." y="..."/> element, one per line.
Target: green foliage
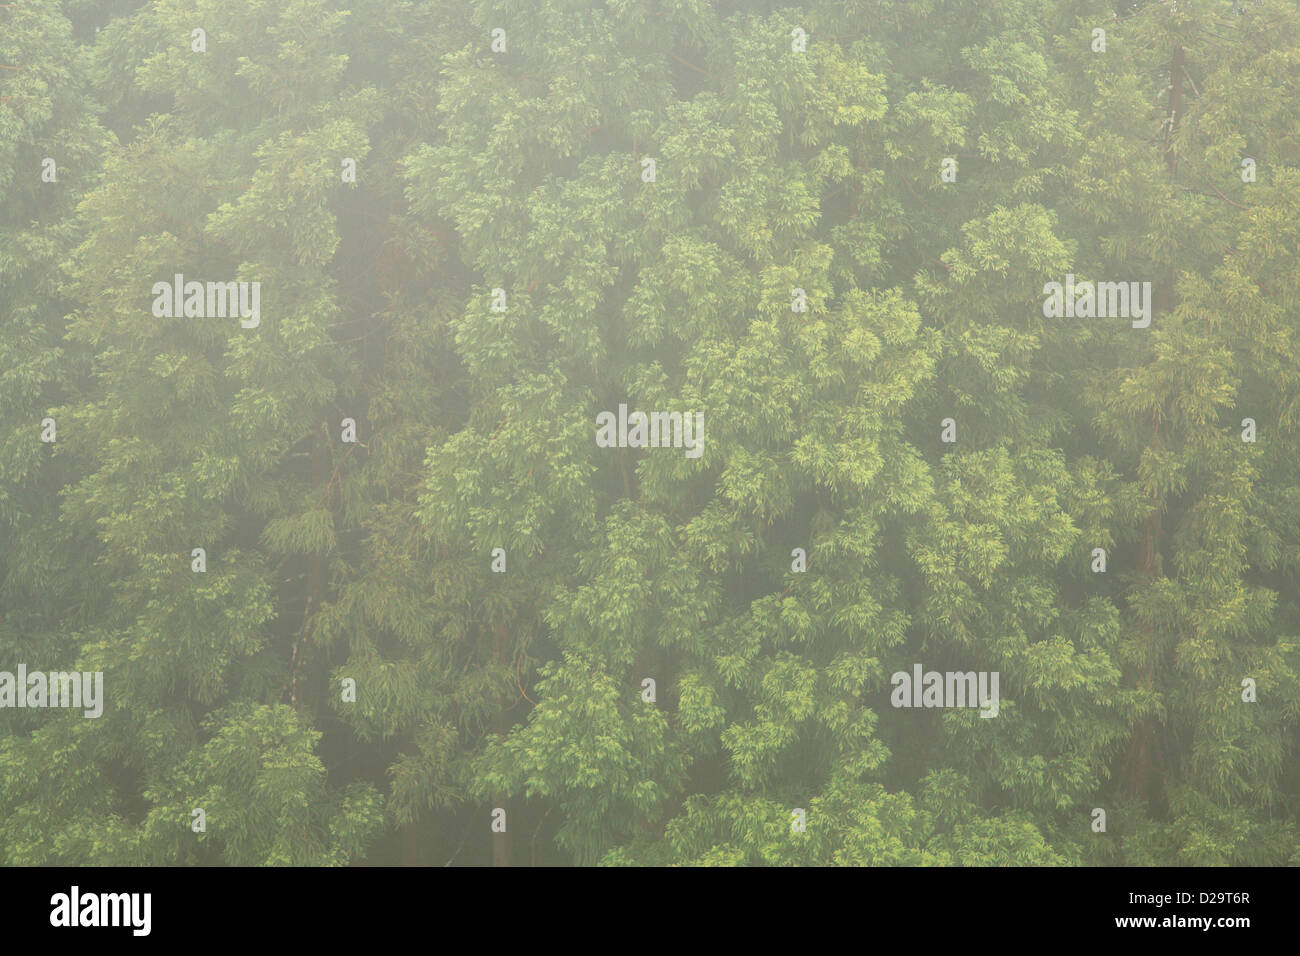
<point x="775" y="169"/>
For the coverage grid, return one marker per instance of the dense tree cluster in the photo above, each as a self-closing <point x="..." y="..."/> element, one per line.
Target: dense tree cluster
<point x="477" y="225"/>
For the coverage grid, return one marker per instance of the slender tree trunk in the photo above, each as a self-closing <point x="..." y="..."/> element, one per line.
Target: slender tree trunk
<point x="412" y="852"/>
<point x="1150" y="564"/>
<point x="315" y="587"/>
<point x="1149" y="568"/>
<point x="501" y="841"/>
<point x="1176" y="71"/>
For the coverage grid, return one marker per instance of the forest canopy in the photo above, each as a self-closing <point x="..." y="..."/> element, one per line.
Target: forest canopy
<point x="650" y="432"/>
